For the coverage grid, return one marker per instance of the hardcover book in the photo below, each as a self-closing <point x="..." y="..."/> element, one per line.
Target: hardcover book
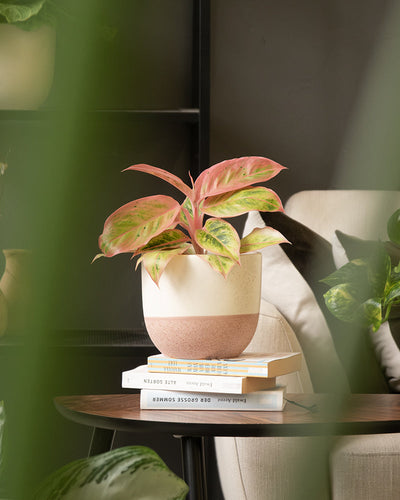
<point x="142" y="378"/>
<point x="245" y="365"/>
<point x="271" y="400"/>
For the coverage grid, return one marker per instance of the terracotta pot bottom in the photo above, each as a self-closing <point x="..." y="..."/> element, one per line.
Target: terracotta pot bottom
<point x="202" y="337"/>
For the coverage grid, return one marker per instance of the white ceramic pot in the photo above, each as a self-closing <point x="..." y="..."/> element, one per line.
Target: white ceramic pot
<point x="26" y="66"/>
<point x="196" y="313"/>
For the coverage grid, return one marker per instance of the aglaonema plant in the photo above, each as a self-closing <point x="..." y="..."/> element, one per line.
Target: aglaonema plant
<point x="159" y="227"/>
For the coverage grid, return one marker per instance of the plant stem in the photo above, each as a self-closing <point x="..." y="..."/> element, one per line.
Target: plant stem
<point x="197" y="223"/>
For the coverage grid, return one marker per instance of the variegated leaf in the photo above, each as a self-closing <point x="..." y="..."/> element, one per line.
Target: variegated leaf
<point x="261" y="237"/>
<point x="222" y="265"/>
<point x="220" y="238"/>
<point x="167" y="239"/>
<point x="156" y="261"/>
<point x="186" y="210"/>
<point x="240" y="202"/>
<point x="392" y="294"/>
<point x="371" y="311"/>
<point x="343" y="302"/>
<point x="353" y="272"/>
<point x="128" y="472"/>
<point x="165" y="175"/>
<point x="134" y="224"/>
<point x="231" y="175"/>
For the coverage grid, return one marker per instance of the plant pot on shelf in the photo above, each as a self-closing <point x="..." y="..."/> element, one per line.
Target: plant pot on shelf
<point x="196" y="313"/>
<point x="26" y="66"/>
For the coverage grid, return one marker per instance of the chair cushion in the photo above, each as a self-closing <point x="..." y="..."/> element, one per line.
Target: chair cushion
<point x="283" y="285"/>
<point x="248" y="467"/>
<point x="366" y="467"/>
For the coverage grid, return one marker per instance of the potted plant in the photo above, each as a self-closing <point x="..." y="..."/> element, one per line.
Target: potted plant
<point x="135" y="472"/>
<point x="200" y="282"/>
<point x="367" y="288"/>
<point x="27" y="50"/>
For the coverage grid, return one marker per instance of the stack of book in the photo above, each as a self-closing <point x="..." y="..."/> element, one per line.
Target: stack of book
<point x="247" y="382"/>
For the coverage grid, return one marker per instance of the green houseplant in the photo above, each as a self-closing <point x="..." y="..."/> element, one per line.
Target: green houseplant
<point x="134" y="472"/>
<point x="367" y="289"/>
<point x="204" y="280"/>
<point x="130" y="472"/>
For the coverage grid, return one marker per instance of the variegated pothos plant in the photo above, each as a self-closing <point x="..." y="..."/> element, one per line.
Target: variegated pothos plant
<point x="149" y="226"/>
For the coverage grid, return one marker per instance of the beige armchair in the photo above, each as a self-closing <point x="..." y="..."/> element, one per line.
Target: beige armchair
<point x="338" y="468"/>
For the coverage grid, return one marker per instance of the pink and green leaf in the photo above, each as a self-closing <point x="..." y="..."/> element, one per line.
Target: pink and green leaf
<point x="167" y="239"/>
<point x="260" y="238"/>
<point x="165" y="175"/>
<point x="133" y="225"/>
<point x="240" y="202"/>
<point x="156" y="261"/>
<point x="222" y="265"/>
<point x="231" y="175"/>
<point x="186" y="211"/>
<point x="220" y="238"/>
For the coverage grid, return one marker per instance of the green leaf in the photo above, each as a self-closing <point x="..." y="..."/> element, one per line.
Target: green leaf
<point x="392" y="294"/>
<point x="379" y="270"/>
<point x="342" y="301"/>
<point x="156" y="261"/>
<point x="371" y="313"/>
<point x="260" y="238"/>
<point x="231" y="175"/>
<point x="134" y="472"/>
<point x="354" y="272"/>
<point x="17" y="13"/>
<point x="240" y="202"/>
<point x="220" y="238"/>
<point x="393" y="227"/>
<point x="222" y="265"/>
<point x="136" y="223"/>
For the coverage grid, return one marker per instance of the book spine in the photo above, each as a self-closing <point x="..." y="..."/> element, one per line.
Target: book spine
<point x="272" y="400"/>
<point x="212" y="367"/>
<point x="167" y="381"/>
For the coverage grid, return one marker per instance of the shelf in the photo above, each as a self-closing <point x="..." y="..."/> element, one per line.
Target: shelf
<point x="89" y="342"/>
<point x="185" y="115"/>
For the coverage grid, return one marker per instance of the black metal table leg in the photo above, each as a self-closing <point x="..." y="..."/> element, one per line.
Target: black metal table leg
<point x="194" y="471"/>
<point x="102" y="441"/>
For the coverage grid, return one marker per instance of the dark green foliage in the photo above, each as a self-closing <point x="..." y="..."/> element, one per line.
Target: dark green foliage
<point x="365" y="289"/>
<point x="28" y="14"/>
<point x="131" y="472"/>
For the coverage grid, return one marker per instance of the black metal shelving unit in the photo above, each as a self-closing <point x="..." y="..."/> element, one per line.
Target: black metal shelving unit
<point x="198" y="116"/>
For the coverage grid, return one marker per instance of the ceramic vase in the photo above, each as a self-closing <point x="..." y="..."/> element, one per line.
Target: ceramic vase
<point x="26" y="66"/>
<point x="195" y="313"/>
